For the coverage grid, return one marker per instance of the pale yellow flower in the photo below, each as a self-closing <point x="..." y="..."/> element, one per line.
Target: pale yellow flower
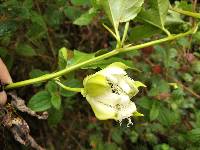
<point x="109" y="91"/>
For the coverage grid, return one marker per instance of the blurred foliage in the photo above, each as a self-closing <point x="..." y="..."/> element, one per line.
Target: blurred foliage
<point x="32" y="34"/>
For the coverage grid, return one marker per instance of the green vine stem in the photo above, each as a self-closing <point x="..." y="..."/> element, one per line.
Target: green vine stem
<point x="68" y="88"/>
<point x="187" y="13"/>
<point x="101" y="57"/>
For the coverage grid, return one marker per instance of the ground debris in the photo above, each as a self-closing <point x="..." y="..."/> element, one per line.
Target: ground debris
<point x="16" y="124"/>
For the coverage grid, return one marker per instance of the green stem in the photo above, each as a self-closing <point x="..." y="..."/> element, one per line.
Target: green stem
<point x="101" y="57"/>
<point x="166" y="31"/>
<point x="59" y="73"/>
<point x="188" y="13"/>
<point x="109" y="30"/>
<point x="115" y="35"/>
<point x="125" y="32"/>
<point x="118" y="38"/>
<point x="169" y="38"/>
<point x="69" y="88"/>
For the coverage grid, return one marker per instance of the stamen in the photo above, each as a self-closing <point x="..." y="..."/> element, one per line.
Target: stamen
<point x="120" y="122"/>
<point x="129" y="122"/>
<point x="115" y="88"/>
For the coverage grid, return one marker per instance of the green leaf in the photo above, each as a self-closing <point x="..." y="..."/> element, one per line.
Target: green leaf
<point x="85" y="18"/>
<point x="62" y="58"/>
<point x="156" y="14"/>
<point x="173" y="18"/>
<point x="183" y="42"/>
<point x="79" y="57"/>
<point x="162" y="147"/>
<point x="187" y="77"/>
<point x="168" y="117"/>
<point x="54" y="17"/>
<point x="196" y="66"/>
<point x="197" y="36"/>
<point x="185" y="5"/>
<point x="7" y="27"/>
<point x="81" y="2"/>
<point x="154" y="112"/>
<point x="134" y="136"/>
<point x="117" y="135"/>
<point x="20" y="12"/>
<point x="103" y="63"/>
<point x="95" y="139"/>
<point x="28" y="4"/>
<point x="41" y="101"/>
<point x="111" y="146"/>
<point x="151" y="138"/>
<point x="194" y="135"/>
<point x="72" y="12"/>
<point x="74" y="83"/>
<point x="37" y="18"/>
<point x="56" y="100"/>
<point x="36" y="31"/>
<point x="3" y="52"/>
<point x="158" y="86"/>
<point x="145" y="102"/>
<point x="121" y="10"/>
<point x="55" y="116"/>
<point x="196" y="85"/>
<point x="9" y="61"/>
<point x="51" y="87"/>
<point x="60" y="3"/>
<point x="25" y="50"/>
<point x="197" y="116"/>
<point x="143" y="31"/>
<point x="37" y="72"/>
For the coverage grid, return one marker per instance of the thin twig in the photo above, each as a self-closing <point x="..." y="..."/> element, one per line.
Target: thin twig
<point x="185" y="87"/>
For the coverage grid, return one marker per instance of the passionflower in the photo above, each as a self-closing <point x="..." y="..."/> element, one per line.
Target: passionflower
<point x="109" y="91"/>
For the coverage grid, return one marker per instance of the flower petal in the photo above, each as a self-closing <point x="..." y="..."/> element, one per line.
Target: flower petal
<point x="139" y="84"/>
<point x="134" y="90"/>
<point x="111" y="71"/>
<point x="101" y="110"/>
<point x="119" y="65"/>
<point x="126" y="111"/>
<point x="107" y="98"/>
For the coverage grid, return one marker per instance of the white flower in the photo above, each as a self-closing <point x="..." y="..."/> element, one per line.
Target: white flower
<point x="109" y="92"/>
